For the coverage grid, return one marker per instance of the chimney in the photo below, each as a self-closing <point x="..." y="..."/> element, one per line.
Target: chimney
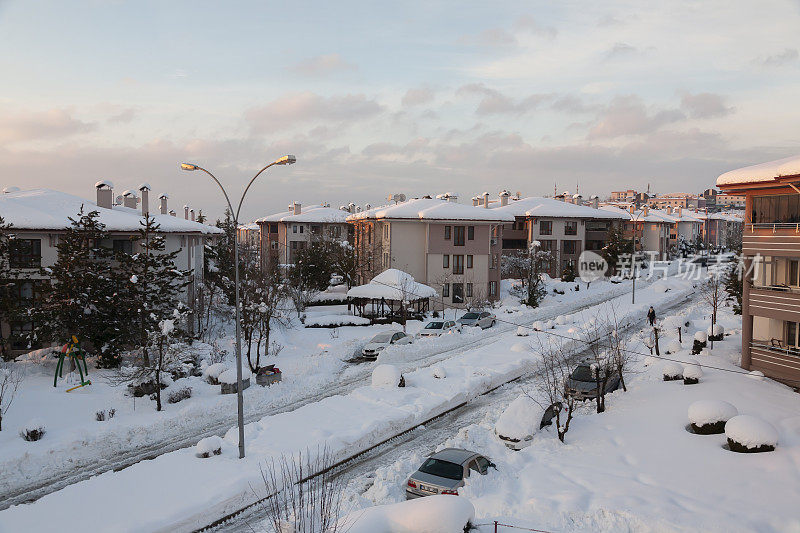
<point x="297" y="208"/>
<point x="596" y="201"/>
<point x="144" y="188"/>
<point x="105" y="194"/>
<point x="680" y="211"/>
<point x="646" y="210"/>
<point x="186" y="212"/>
<point x="191" y="214"/>
<point x="631" y="208"/>
<point x="163" y="200"/>
<point x="452" y="197"/>
<point x="504" y="197"/>
<point x="172" y="213"/>
<point x="476" y="201"/>
<point x="351" y="208"/>
<point x="486" y="200"/>
<point x="129" y="199"/>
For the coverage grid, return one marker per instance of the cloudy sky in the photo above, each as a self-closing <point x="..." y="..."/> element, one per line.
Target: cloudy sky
<point x="376" y="98"/>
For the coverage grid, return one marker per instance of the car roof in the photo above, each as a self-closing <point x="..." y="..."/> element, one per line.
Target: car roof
<point x="454" y="455"/>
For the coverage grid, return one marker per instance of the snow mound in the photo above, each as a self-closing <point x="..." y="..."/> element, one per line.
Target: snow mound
<point x="521" y="419"/>
<point x="336" y="320"/>
<point x="522" y="331"/>
<point x="208" y="446"/>
<point x="692" y="372"/>
<point x="433" y="514"/>
<point x="561" y="320"/>
<point x="701" y="336"/>
<point x="756" y="375"/>
<point x="751" y="431"/>
<point x="385" y="376"/>
<point x="718" y="330"/>
<point x="538" y="325"/>
<point x="520" y="347"/>
<point x="649" y="360"/>
<point x="213" y="371"/>
<point x="437" y="372"/>
<point x="674" y="347"/>
<point x="704" y="412"/>
<point x="673" y="370"/>
<point x="229" y="376"/>
<point x="549" y="324"/>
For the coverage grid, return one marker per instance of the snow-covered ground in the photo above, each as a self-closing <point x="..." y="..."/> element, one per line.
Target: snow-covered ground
<point x="190" y="491"/>
<point x="635" y="467"/>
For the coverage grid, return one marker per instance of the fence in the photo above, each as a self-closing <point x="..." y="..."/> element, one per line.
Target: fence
<point x="498" y="525"/>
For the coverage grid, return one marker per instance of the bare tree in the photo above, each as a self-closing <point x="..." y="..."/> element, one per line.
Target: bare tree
<point x="595" y="335"/>
<point x="303" y="494"/>
<point x="10" y="379"/>
<point x="551" y="373"/>
<point x="713" y="292"/>
<point x="621" y="357"/>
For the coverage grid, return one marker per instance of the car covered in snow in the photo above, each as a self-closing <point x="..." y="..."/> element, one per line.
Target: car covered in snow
<point x="435" y="328"/>
<point x="582" y="385"/>
<point x="521" y="420"/>
<point x="381" y="341"/>
<point x="445" y="471"/>
<point x="481" y="319"/>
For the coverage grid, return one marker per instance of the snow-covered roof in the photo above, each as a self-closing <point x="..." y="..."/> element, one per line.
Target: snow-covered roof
<point x="393" y="284"/>
<point x="653" y="215"/>
<point x="46" y="209"/>
<point x="535" y="206"/>
<point x="433" y="209"/>
<point x="763" y="172"/>
<point x="309" y="214"/>
<point x="722" y="215"/>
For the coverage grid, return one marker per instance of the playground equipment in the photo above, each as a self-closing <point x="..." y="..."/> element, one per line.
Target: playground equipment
<point x="72" y="350"/>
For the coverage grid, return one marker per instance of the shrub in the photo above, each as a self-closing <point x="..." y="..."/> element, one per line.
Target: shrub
<point x="180" y="394"/>
<point x="102" y="414"/>
<point x="32" y="431"/>
<point x="145" y="388"/>
<point x="209" y="446"/>
<point x="692" y="374"/>
<point x="708" y="417"/>
<point x="750" y="434"/>
<point x="672" y="371"/>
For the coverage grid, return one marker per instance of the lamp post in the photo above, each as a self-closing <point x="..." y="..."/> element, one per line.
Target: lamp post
<point x="285" y="160"/>
<point x="633" y="254"/>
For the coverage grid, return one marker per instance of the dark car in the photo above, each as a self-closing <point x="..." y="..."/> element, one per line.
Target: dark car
<point x="445" y="471"/>
<point x="581" y="383"/>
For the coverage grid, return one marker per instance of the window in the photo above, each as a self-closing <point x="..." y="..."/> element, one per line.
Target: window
<point x="445" y="261"/>
<point x="492" y="288"/>
<point x="793" y="273"/>
<point x="335" y="232"/>
<point x="569" y="247"/>
<point x="447" y="230"/>
<point x="469" y="261"/>
<point x="470" y="233"/>
<point x="301" y="228"/>
<point x="19" y="333"/>
<point x="273" y="228"/>
<point x="791" y="334"/>
<point x="571" y="227"/>
<point x="458" y="240"/>
<point x="469" y="290"/>
<point x="385" y="260"/>
<point x="493" y="264"/>
<point x="386" y="231"/>
<point x="446" y="290"/>
<point x="545" y="227"/>
<point x="294" y="245"/>
<point x="316" y="229"/>
<point x="25" y="253"/>
<point x="458" y="293"/>
<point x="124" y="246"/>
<point x="294" y="228"/>
<point x="458" y="264"/>
<point x="273" y="245"/>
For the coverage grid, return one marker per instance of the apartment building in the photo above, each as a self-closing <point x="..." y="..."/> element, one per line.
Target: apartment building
<point x="731" y="201"/>
<point x="40" y="216"/>
<point x="677" y="200"/>
<point x="450" y="246"/>
<point x="283" y="234"/>
<point x="624" y="196"/>
<point x="563" y="228"/>
<point x="650" y="230"/>
<point x="770" y="244"/>
<point x="722" y="229"/>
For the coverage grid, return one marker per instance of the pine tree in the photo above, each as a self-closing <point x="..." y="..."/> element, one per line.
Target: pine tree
<point x="734" y="285"/>
<point x="221" y="259"/>
<point x="616" y="246"/>
<point x="568" y="274"/>
<point x="7" y="302"/>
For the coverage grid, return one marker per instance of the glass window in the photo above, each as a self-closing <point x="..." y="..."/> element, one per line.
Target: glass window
<point x="25" y="253"/>
<point x="445" y="469"/>
<point x="469" y="290"/>
<point x="458" y="264"/>
<point x="458" y="240"/>
<point x="301" y="228"/>
<point x="124" y="246"/>
<point x="569" y="247"/>
<point x="570" y="227"/>
<point x="458" y="293"/>
<point x="791" y="334"/>
<point x="793" y="272"/>
<point x="483" y="464"/>
<point x="546" y="227"/>
<point x="470" y="233"/>
<point x="492" y="288"/>
<point x="469" y="261"/>
<point x="294" y="228"/>
<point x="447" y="230"/>
<point x="445" y="261"/>
<point x="446" y="290"/>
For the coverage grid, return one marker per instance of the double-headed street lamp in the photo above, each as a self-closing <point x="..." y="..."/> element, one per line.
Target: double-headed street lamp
<point x="285" y="160"/>
<point x="635" y="219"/>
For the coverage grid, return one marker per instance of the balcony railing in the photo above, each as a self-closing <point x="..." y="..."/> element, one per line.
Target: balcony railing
<point x="776" y="346"/>
<point x="774" y="226"/>
<point x="777" y="288"/>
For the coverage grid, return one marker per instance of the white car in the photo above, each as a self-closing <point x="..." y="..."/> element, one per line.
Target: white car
<point x="436" y="328"/>
<point x="521" y="420"/>
<point x="481" y="319"/>
<point x="381" y="341"/>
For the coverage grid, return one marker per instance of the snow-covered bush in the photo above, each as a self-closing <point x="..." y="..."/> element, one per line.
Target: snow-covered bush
<point x="438" y="372"/>
<point x="386" y="376"/>
<point x="228" y="377"/>
<point x="750" y="434"/>
<point x="520" y="347"/>
<point x="180" y="394"/>
<point x="708" y="417"/>
<point x="715" y="334"/>
<point x="650" y="360"/>
<point x="672" y="371"/>
<point x="674" y="347"/>
<point x="208" y="446"/>
<point x="432" y="514"/>
<point x="212" y="372"/>
<point x="700" y="342"/>
<point x="538" y="325"/>
<point x="522" y="331"/>
<point x="549" y="324"/>
<point x="561" y="320"/>
<point x="102" y="414"/>
<point x="335" y="321"/>
<point x="701" y="336"/>
<point x="32" y="431"/>
<point x="692" y="374"/>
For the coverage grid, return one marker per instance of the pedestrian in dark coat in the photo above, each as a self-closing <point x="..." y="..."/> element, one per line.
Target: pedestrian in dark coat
<point x="651" y="316"/>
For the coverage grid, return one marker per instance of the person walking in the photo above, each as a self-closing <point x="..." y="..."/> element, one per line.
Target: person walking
<point x="651" y="316"/>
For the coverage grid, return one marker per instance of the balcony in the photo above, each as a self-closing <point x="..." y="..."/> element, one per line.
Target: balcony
<point x="775" y="360"/>
<point x="776" y="239"/>
<point x="777" y="301"/>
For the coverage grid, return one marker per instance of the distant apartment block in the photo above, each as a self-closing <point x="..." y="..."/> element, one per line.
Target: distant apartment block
<point x="677" y="200"/>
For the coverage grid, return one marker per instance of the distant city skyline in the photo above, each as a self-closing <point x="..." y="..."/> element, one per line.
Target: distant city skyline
<point x="374" y="99"/>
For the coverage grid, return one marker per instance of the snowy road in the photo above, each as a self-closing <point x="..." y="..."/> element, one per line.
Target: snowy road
<point x="348" y="380"/>
<point x="422" y="440"/>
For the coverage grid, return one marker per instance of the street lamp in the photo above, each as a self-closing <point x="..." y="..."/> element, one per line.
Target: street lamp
<point x="285" y="160"/>
<point x="634" y="219"/>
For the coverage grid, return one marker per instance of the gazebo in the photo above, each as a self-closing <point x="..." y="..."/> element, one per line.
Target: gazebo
<point x="389" y="294"/>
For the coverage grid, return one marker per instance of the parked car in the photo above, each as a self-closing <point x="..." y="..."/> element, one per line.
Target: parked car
<point x="581" y="383"/>
<point x="521" y="420"/>
<point x="436" y="328"/>
<point x="482" y="319"/>
<point x="382" y="340"/>
<point x="336" y="280"/>
<point x="445" y="471"/>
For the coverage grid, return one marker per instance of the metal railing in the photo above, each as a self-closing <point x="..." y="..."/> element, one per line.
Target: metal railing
<point x="776" y="346"/>
<point x="497" y="525"/>
<point x="775" y="226"/>
<point x="777" y="288"/>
